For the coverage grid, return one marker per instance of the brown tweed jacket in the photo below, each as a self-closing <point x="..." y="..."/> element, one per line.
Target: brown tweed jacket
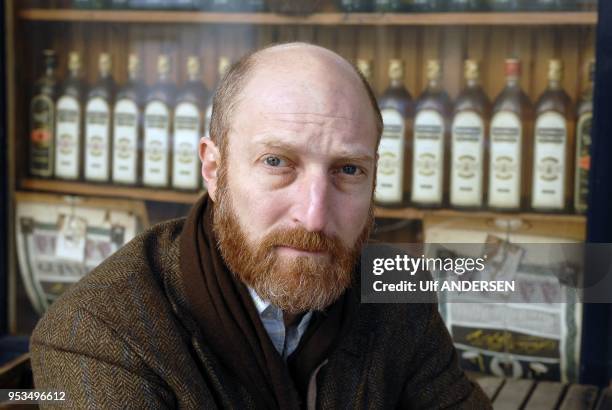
<point x="124" y="337"/>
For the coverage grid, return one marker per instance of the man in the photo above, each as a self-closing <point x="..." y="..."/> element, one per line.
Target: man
<point x="250" y="302"/>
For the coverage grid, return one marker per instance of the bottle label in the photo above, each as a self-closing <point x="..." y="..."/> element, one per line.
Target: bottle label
<point x="505" y="162"/>
<point x="208" y="116"/>
<point x="428" y="163"/>
<point x="42" y="113"/>
<point x="125" y="144"/>
<point x="467" y="159"/>
<point x="583" y="161"/>
<point x="549" y="161"/>
<point x="156" y="144"/>
<point x="187" y="124"/>
<point x="68" y="148"/>
<point x="390" y="174"/>
<point x="97" y="140"/>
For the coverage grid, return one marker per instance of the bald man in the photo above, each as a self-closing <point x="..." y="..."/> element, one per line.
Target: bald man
<point x="251" y="301"/>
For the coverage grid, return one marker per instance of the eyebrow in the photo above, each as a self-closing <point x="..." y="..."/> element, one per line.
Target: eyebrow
<point x="342" y="156"/>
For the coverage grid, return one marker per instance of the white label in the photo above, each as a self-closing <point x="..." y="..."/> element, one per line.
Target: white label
<point x="68" y="133"/>
<point x="505" y="161"/>
<point x="550" y="139"/>
<point x="207" y="123"/>
<point x="428" y="157"/>
<point x="390" y="173"/>
<point x="185" y="164"/>
<point x="156" y="136"/>
<point x="125" y="144"/>
<point x="467" y="159"/>
<point x="97" y="140"/>
<point x="71" y="238"/>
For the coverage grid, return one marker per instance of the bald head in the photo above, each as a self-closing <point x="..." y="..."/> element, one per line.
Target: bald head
<point x="296" y="77"/>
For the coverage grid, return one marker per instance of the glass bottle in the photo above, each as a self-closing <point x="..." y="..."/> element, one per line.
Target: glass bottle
<point x="509" y="140"/>
<point x="157" y="128"/>
<point x="365" y="68"/>
<point x="392" y="5"/>
<point x="68" y="128"/>
<point x="468" y="139"/>
<point x="505" y="5"/>
<point x="583" y="144"/>
<point x="222" y="68"/>
<point x="430" y="140"/>
<point x="427" y="6"/>
<point x="465" y="5"/>
<point x="127" y="127"/>
<point x="358" y="6"/>
<point x="42" y="120"/>
<point x="188" y="121"/>
<point x="98" y="125"/>
<point x="396" y="107"/>
<point x="551" y="157"/>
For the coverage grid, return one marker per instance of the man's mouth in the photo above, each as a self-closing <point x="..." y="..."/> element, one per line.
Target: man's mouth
<point x="290" y="250"/>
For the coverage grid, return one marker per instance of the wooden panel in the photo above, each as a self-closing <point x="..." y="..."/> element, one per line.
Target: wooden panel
<point x="579" y="397"/>
<point x="491" y="386"/>
<point x="546" y="396"/>
<point x="427" y="19"/>
<point x="513" y="394"/>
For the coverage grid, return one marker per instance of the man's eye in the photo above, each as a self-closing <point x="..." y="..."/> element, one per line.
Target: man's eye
<point x="274" y="161"/>
<point x="350" y="169"/>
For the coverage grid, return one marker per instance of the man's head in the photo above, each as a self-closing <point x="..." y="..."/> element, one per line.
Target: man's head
<point x="290" y="166"/>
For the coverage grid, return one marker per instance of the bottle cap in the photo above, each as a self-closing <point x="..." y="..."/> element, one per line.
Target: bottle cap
<point x="396" y="69"/>
<point x="49" y="58"/>
<point x="224" y="66"/>
<point x="513" y="67"/>
<point x="433" y="70"/>
<point x="133" y="63"/>
<point x="74" y="61"/>
<point x="555" y="70"/>
<point x="472" y="70"/>
<point x="365" y="68"/>
<point x="105" y="63"/>
<point x="163" y="64"/>
<point x="193" y="66"/>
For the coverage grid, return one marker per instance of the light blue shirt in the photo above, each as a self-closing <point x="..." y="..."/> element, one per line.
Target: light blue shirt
<point x="285" y="340"/>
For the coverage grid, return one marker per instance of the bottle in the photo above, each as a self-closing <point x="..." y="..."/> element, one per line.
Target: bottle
<point x="510" y="123"/>
<point x="98" y="124"/>
<point x="42" y="121"/>
<point x="88" y="4"/>
<point x="355" y="6"/>
<point x="547" y="5"/>
<point x="127" y="126"/>
<point x="430" y="140"/>
<point x="396" y="107"/>
<point x="365" y="68"/>
<point x="68" y="150"/>
<point x="583" y="144"/>
<point x="254" y="5"/>
<point x="225" y="5"/>
<point x="505" y="5"/>
<point x="222" y="69"/>
<point x="392" y="5"/>
<point x="586" y="5"/>
<point x="427" y="6"/>
<point x="468" y="139"/>
<point x="188" y="122"/>
<point x="465" y="5"/>
<point x="157" y="128"/>
<point x="550" y="152"/>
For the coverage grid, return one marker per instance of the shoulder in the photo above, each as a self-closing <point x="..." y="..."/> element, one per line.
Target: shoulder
<point x="124" y="291"/>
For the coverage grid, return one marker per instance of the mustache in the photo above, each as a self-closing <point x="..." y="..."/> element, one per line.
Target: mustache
<point x="300" y="238"/>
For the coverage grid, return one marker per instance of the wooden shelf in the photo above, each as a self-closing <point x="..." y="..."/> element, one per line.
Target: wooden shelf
<point x="160" y="195"/>
<point x="322" y="19"/>
<point x="109" y="191"/>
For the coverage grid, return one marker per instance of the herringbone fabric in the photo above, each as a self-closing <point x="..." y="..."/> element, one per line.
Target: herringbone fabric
<point x="125" y="337"/>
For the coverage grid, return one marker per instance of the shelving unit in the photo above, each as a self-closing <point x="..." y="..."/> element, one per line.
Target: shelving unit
<point x="320" y="19"/>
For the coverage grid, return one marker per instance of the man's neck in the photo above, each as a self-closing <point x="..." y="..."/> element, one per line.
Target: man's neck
<point x="291" y="318"/>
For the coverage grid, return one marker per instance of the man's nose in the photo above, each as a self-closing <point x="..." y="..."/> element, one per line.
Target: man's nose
<point x="313" y="201"/>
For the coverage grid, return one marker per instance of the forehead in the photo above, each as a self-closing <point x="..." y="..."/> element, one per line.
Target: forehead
<point x="305" y="103"/>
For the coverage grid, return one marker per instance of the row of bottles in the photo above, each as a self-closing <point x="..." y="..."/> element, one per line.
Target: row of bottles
<point x="348" y="5"/>
<point x="466" y="5"/>
<point x="471" y="154"/>
<point x="132" y="135"/>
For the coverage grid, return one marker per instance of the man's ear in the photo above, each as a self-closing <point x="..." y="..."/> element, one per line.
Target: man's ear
<point x="209" y="155"/>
